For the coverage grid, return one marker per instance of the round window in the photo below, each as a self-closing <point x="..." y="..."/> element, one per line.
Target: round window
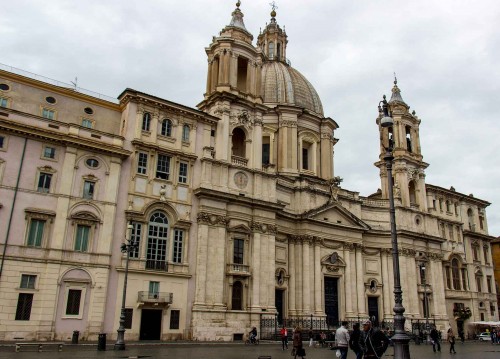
<point x="50" y="99"/>
<point x="4" y="87"/>
<point x="92" y="162"/>
<point x="88" y="111"/>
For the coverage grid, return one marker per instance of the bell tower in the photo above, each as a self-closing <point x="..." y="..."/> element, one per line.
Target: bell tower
<point x="273" y="40"/>
<point x="404" y="139"/>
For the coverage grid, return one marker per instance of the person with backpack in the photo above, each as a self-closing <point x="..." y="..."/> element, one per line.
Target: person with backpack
<point x="372" y="341"/>
<point x="435" y="340"/>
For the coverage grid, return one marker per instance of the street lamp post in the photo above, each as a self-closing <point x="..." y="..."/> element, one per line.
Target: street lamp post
<point x="400" y="339"/>
<point x="128" y="247"/>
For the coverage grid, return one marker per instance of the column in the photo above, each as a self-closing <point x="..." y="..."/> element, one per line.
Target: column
<point x="298" y="273"/>
<point x="256" y="273"/>
<point x="256" y="144"/>
<point x="360" y="283"/>
<point x="347" y="281"/>
<point x="306" y="284"/>
<point x="291" y="273"/>
<point x="219" y="267"/>
<point x="317" y="278"/>
<point x="386" y="289"/>
<point x="201" y="265"/>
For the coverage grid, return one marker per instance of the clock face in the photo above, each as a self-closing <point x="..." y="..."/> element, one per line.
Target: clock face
<point x="240" y="179"/>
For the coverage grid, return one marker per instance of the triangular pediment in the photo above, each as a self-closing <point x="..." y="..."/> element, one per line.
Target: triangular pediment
<point x="240" y="228"/>
<point x="335" y="213"/>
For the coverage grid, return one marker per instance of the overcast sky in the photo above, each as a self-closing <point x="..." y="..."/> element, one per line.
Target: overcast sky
<point x="445" y="54"/>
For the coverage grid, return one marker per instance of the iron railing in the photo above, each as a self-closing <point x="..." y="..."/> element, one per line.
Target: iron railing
<point x="156" y="265"/>
<point x="155" y="297"/>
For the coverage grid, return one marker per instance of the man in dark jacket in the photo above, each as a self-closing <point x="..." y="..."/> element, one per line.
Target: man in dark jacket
<point x="435" y="340"/>
<point x="372" y="341"/>
<point x="354" y="341"/>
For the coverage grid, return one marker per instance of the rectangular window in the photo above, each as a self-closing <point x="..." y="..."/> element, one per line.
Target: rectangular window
<point x="238" y="251"/>
<point x="266" y="153"/>
<point x="154" y="287"/>
<point x="488" y="283"/>
<point x="174" y="319"/>
<point x="128" y="318"/>
<point x="3" y="102"/>
<point x="2" y="141"/>
<point x="163" y="167"/>
<point x="24" y="303"/>
<point x="478" y="283"/>
<point x="305" y="159"/>
<point x="135" y="236"/>
<point x="178" y="244"/>
<point x="82" y="238"/>
<point x="35" y="232"/>
<point x="448" y="277"/>
<point x="183" y="172"/>
<point x="28" y="281"/>
<point x="73" y="304"/>
<point x="87" y="123"/>
<point x="88" y="189"/>
<point x="142" y="163"/>
<point x="486" y="256"/>
<point x="475" y="253"/>
<point x="49" y="152"/>
<point x="48" y="114"/>
<point x="44" y="182"/>
<point x="185" y="133"/>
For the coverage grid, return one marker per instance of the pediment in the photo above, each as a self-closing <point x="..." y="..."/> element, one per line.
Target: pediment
<point x="240" y="228"/>
<point x="335" y="213"/>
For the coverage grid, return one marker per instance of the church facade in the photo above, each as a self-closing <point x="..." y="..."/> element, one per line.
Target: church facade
<point x="237" y="211"/>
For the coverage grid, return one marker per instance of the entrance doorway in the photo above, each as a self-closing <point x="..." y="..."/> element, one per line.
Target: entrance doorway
<point x="278" y="302"/>
<point x="331" y="301"/>
<point x="373" y="310"/>
<point x="151" y="324"/>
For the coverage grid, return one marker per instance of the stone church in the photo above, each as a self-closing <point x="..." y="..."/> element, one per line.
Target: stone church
<point x="239" y="216"/>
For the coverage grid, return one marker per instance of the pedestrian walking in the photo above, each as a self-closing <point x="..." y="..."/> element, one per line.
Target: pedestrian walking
<point x="311" y="340"/>
<point x="451" y="340"/>
<point x="297" y="343"/>
<point x="354" y="341"/>
<point x="342" y="339"/>
<point x="493" y="336"/>
<point x="372" y="341"/>
<point x="435" y="340"/>
<point x="284" y="338"/>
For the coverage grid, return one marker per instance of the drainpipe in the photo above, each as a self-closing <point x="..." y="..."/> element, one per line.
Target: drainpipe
<point x="12" y="207"/>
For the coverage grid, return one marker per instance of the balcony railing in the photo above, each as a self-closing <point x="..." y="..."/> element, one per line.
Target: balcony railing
<point x="237" y="160"/>
<point x="156" y="265"/>
<point x="155" y="297"/>
<point x="240" y="269"/>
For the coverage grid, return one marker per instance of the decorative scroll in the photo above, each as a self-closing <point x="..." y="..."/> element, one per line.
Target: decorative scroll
<point x="212" y="219"/>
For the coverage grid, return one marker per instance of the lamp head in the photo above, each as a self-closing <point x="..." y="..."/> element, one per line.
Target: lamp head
<point x="386" y="120"/>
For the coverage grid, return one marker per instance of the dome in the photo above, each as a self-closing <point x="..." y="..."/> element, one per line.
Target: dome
<point x="282" y="84"/>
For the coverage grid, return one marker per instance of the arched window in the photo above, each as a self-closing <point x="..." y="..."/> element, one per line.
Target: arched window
<point x="455" y="274"/>
<point x="278" y="51"/>
<point x="156" y="255"/>
<point x="166" y="128"/>
<point x="185" y="133"/>
<point x="413" y="195"/>
<point x="271" y="50"/>
<point x="237" y="296"/>
<point x="408" y="138"/>
<point x="146" y="121"/>
<point x="239" y="143"/>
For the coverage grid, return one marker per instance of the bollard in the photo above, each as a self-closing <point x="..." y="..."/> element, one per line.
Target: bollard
<point x="101" y="341"/>
<point x="74" y="339"/>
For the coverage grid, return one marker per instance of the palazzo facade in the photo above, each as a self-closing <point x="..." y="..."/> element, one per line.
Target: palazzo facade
<point x="235" y="206"/>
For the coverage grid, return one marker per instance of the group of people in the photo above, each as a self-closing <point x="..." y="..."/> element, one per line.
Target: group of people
<point x="495" y="336"/>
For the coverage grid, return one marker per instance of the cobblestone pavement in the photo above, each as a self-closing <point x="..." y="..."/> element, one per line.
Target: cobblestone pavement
<point x="239" y="351"/>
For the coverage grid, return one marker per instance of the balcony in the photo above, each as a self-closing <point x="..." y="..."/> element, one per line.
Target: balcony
<point x="238" y="269"/>
<point x="240" y="161"/>
<point x="156" y="265"/>
<point x="156" y="298"/>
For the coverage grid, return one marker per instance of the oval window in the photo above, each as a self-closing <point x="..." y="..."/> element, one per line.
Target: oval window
<point x="92" y="162"/>
<point x="4" y="87"/>
<point x="50" y="99"/>
<point x="88" y="111"/>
